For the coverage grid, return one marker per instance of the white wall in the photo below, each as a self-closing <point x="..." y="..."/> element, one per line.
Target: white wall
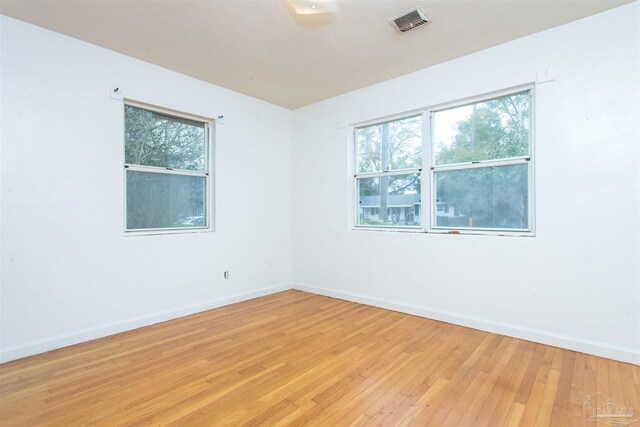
<point x="68" y="272"/>
<point x="577" y="283"/>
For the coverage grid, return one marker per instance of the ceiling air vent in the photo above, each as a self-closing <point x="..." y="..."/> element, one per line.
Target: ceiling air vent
<point x="412" y="18"/>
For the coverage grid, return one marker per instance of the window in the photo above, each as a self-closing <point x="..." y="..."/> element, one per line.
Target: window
<point x="480" y="168"/>
<point x="167" y="171"/>
<point x="388" y="166"/>
<point x="477" y="174"/>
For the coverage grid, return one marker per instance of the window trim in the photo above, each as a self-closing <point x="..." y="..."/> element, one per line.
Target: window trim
<point x="391" y="172"/>
<point x="427" y="181"/>
<point x="208" y="173"/>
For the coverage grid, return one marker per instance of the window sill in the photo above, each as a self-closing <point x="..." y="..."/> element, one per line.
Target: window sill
<point x="503" y="233"/>
<point x="159" y="232"/>
<point x="388" y="229"/>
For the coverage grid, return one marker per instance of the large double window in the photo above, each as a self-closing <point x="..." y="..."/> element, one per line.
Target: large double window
<point x="461" y="167"/>
<point x="167" y="171"/>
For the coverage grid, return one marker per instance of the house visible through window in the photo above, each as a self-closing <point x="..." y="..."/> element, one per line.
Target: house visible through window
<point x="389" y="160"/>
<point x="167" y="171"/>
<point x="477" y="174"/>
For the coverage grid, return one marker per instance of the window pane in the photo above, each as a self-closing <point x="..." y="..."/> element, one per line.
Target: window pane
<point x="493" y="129"/>
<point x="153" y="139"/>
<point x="390" y="146"/>
<point x="399" y="205"/>
<point x="492" y="197"/>
<point x="158" y="200"/>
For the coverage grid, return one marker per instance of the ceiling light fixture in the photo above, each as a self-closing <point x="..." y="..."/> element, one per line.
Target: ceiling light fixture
<point x="309" y="7"/>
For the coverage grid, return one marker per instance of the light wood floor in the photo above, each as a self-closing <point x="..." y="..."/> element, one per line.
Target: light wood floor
<point x="294" y="358"/>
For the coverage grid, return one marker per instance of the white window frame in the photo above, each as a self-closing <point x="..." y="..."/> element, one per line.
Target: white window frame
<point x="207" y="173"/>
<point x="428" y="170"/>
<point x="393" y="172"/>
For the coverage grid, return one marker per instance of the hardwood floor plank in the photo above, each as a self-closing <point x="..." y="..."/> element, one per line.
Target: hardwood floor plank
<point x="519" y="366"/>
<point x="548" y="397"/>
<point x="295" y="358"/>
<point x="515" y="415"/>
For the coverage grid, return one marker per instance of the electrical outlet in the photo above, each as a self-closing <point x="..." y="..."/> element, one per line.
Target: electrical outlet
<point x="226" y="275"/>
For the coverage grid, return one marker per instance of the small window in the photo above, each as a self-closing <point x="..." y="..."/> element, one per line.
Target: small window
<point x="481" y="156"/>
<point x="167" y="171"/>
<point x="388" y="165"/>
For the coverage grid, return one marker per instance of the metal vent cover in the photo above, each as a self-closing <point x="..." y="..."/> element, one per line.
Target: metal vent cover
<point x="410" y="19"/>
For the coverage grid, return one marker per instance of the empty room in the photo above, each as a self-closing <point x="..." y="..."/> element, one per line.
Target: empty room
<point x="320" y="212"/>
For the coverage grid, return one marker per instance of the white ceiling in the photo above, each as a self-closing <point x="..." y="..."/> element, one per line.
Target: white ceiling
<point x="261" y="48"/>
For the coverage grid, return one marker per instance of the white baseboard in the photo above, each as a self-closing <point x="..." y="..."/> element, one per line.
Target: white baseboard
<point x="623" y="354"/>
<point x="76" y="337"/>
